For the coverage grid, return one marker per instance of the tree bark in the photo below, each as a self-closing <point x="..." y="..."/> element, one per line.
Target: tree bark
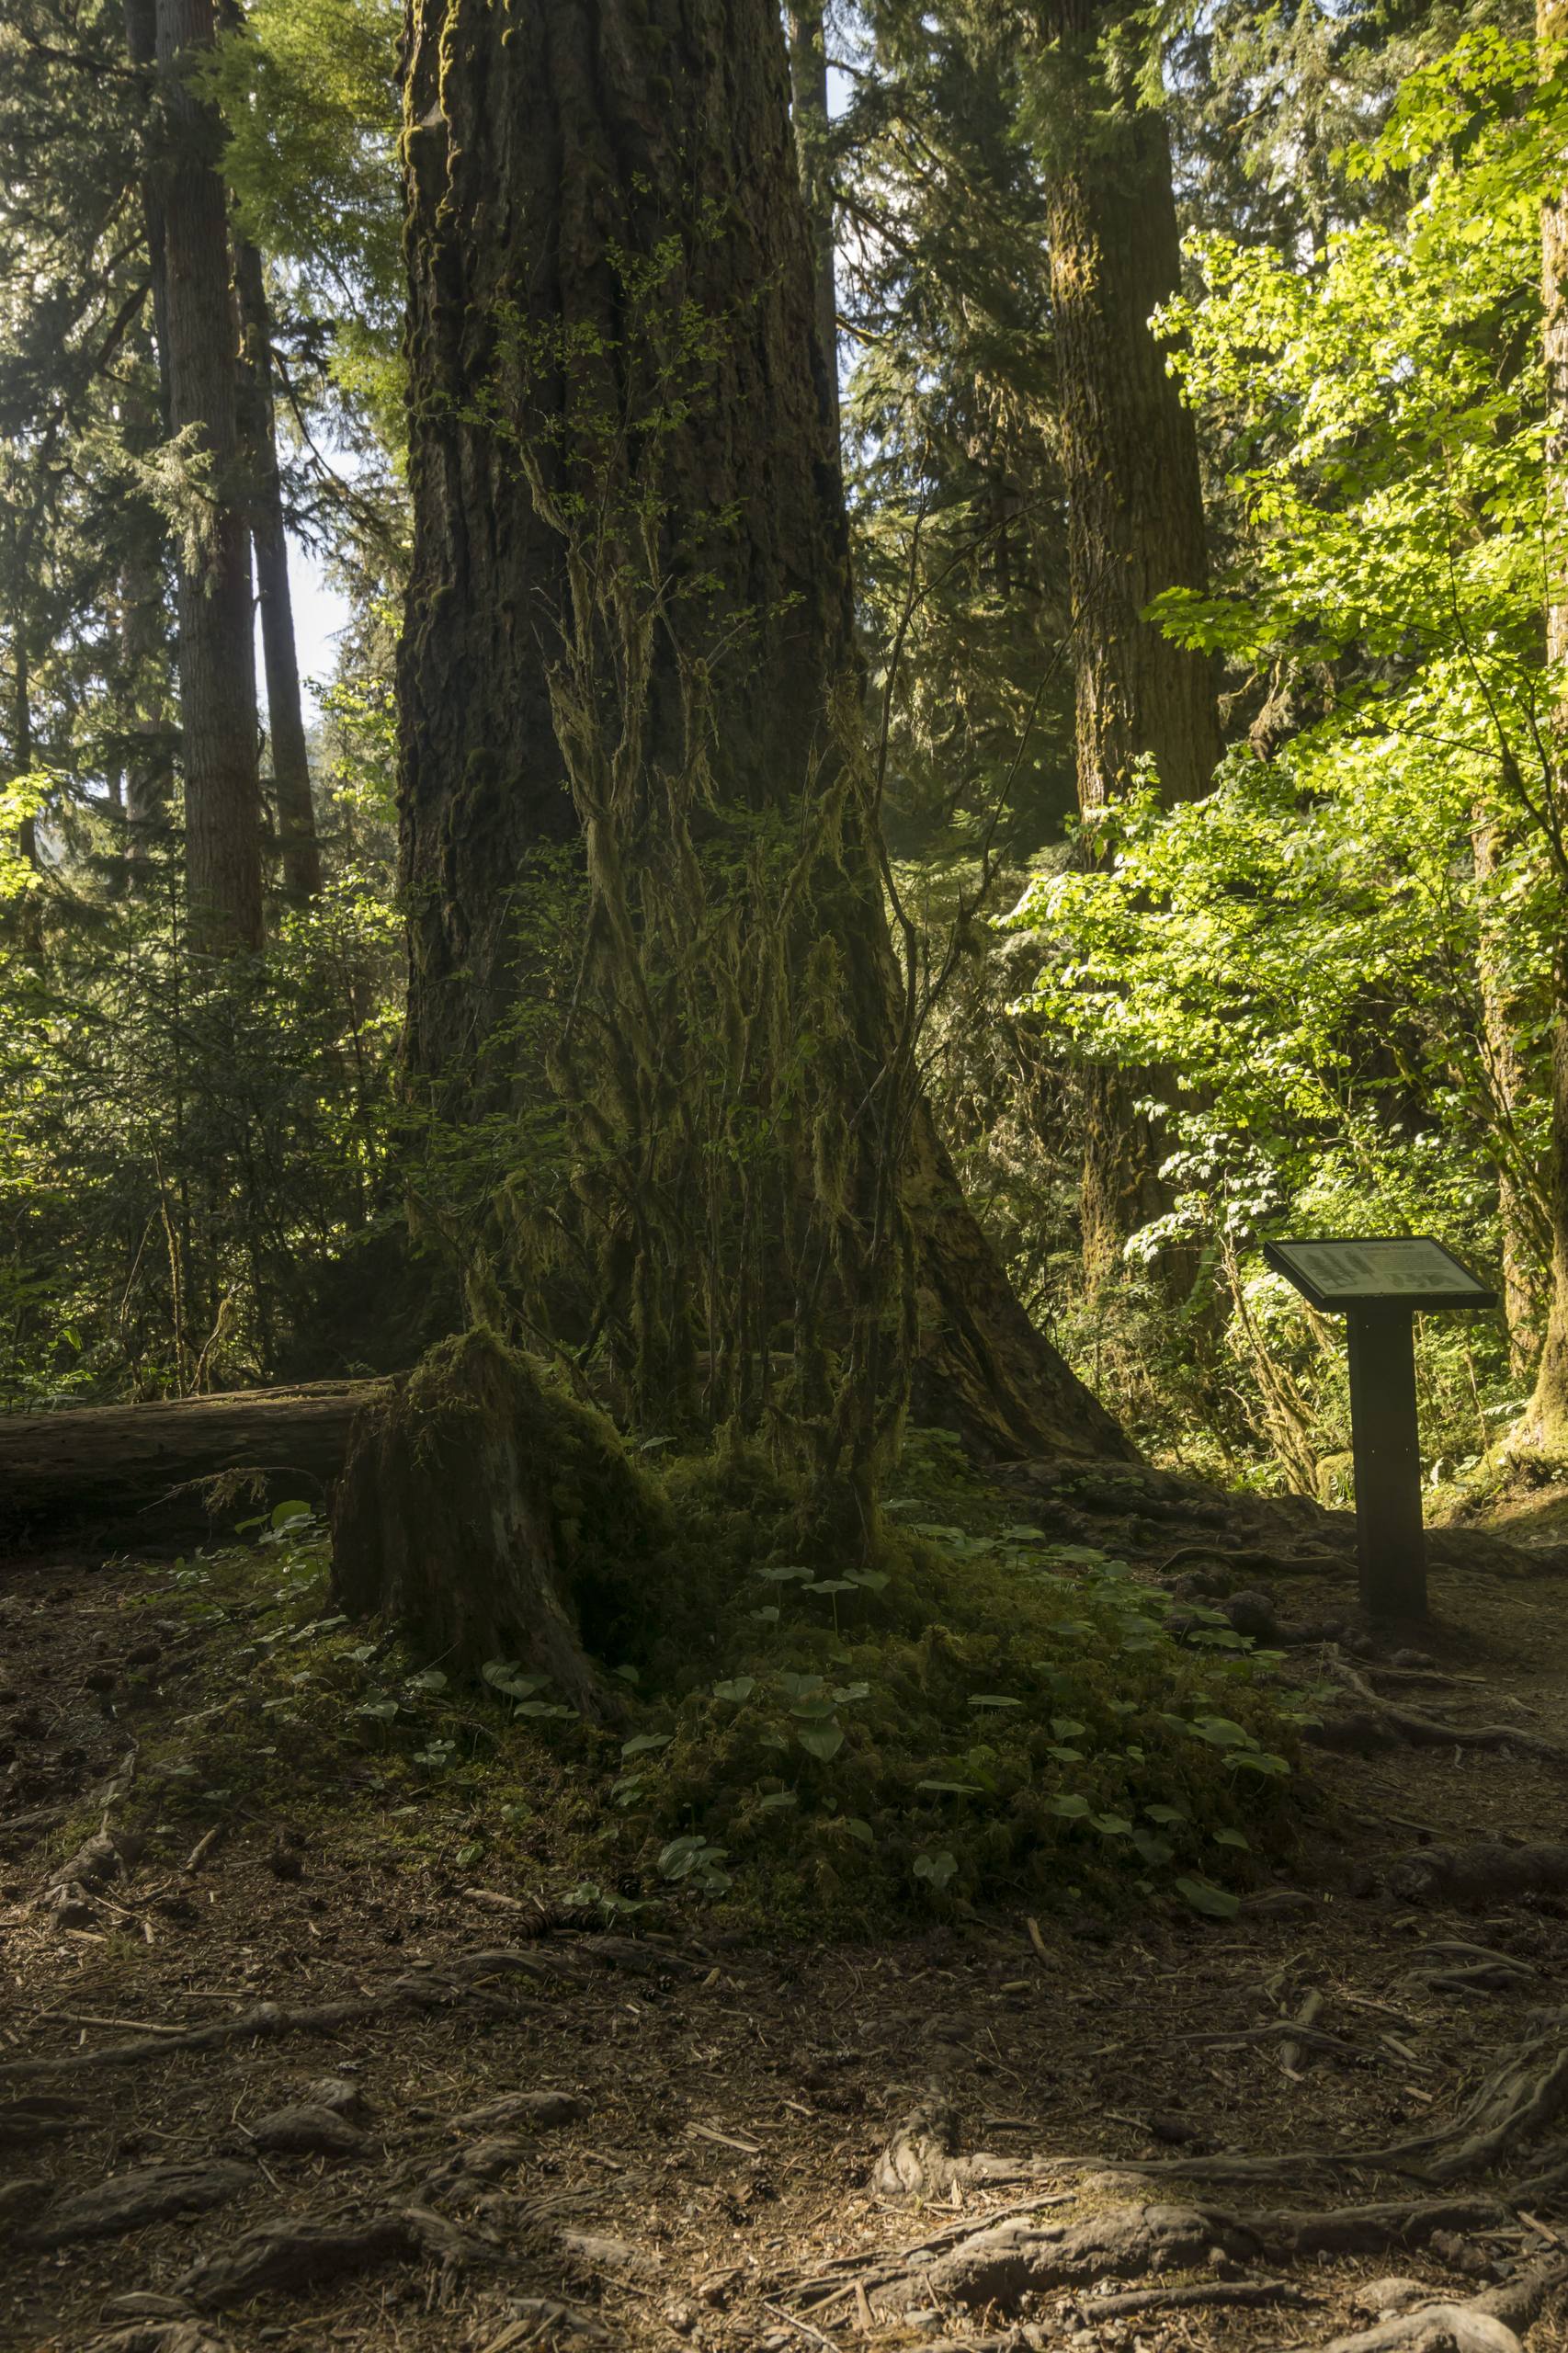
<point x="629" y="632"/>
<point x="285" y="712"/>
<point x="1519" y="1211"/>
<point x="217" y="656"/>
<point x="29" y="914"/>
<point x="806" y="24"/>
<point x="1135" y="526"/>
<point x="143" y="1474"/>
<point x="1546" y="1422"/>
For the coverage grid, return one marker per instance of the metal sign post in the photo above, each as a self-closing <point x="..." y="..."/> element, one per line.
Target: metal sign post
<point x="1379" y="1287"/>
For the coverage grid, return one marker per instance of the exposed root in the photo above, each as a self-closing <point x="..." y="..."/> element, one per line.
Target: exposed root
<point x="1193" y="2294"/>
<point x="1003" y="2263"/>
<point x="1422" y="1731"/>
<point x="1481" y="1874"/>
<point x="1488" y="2324"/>
<point x="128" y="2200"/>
<point x="462" y="1980"/>
<point x="297" y="2253"/>
<point x="162" y="2337"/>
<point x="922" y="2161"/>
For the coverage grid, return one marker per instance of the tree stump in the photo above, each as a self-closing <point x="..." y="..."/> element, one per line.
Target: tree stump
<point x="490" y="1517"/>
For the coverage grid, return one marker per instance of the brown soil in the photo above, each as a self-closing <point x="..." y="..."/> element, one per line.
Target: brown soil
<point x="721" y="2183"/>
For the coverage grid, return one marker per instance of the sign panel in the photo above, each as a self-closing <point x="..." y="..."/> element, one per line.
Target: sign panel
<point x="1410" y="1272"/>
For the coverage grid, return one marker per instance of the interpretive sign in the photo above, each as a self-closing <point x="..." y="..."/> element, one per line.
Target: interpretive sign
<point x="1418" y="1273"/>
<point x="1379" y="1286"/>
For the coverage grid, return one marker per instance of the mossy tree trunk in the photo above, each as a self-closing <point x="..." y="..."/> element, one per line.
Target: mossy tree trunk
<point x="649" y="948"/>
<point x="1135" y="524"/>
<point x="487" y="1514"/>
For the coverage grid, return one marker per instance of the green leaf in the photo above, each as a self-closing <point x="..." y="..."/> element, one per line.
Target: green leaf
<point x="1111" y="1825"/>
<point x="953" y="1789"/>
<point x="860" y="1830"/>
<point x="1063" y="1755"/>
<point x="1166" y="1814"/>
<point x="1068" y="1807"/>
<point x="1215" y="1902"/>
<point x="1258" y="1760"/>
<point x="506" y="1675"/>
<point x="992" y="1700"/>
<point x="937" y="1869"/>
<point x="1232" y="1838"/>
<point x="282" y="1514"/>
<point x="740" y="1688"/>
<point x="821" y="1740"/>
<point x="1067" y="1727"/>
<point x="1023" y="1534"/>
<point x="831" y="1584"/>
<point x="641" y="1744"/>
<point x="776" y="1801"/>
<point x="1221" y="1733"/>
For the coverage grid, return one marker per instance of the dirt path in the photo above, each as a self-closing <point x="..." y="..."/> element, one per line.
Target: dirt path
<point x="302" y="2092"/>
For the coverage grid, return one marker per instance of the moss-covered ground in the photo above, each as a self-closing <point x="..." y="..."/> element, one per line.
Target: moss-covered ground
<point x="991" y="1713"/>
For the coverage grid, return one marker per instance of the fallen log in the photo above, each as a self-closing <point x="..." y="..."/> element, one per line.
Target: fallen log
<point x="179" y="1471"/>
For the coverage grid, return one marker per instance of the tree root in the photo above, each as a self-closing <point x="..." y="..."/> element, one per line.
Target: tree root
<point x="1481" y="1874"/>
<point x="127" y="2202"/>
<point x="1195" y="2293"/>
<point x="921" y="2160"/>
<point x="461" y="1981"/>
<point x="1487" y="2324"/>
<point x="301" y="2252"/>
<point x="1419" y="1730"/>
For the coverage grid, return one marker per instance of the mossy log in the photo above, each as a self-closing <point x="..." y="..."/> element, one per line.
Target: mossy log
<point x="182" y="1470"/>
<point x="490" y="1517"/>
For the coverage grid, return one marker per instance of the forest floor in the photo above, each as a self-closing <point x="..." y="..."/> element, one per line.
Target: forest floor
<point x="308" y="2087"/>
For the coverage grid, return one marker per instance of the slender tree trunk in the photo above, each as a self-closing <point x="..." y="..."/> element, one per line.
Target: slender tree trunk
<point x="29" y="923"/>
<point x="285" y="712"/>
<point x="142" y="46"/>
<point x="638" y="840"/>
<point x="1518" y="1203"/>
<point x="1130" y="467"/>
<point x="1546" y="1423"/>
<point x="217" y="657"/>
<point x="806" y="24"/>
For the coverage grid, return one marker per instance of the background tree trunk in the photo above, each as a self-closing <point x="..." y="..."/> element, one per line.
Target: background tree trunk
<point x="1546" y="1422"/>
<point x="1524" y="1231"/>
<point x="285" y="711"/>
<point x="1128" y="454"/>
<point x="806" y="23"/>
<point x="611" y="287"/>
<point x="217" y="658"/>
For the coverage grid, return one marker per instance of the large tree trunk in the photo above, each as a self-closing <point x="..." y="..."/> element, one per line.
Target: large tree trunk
<point x="638" y="841"/>
<point x="805" y="20"/>
<point x="285" y="711"/>
<point x="1546" y="1422"/>
<point x="217" y="656"/>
